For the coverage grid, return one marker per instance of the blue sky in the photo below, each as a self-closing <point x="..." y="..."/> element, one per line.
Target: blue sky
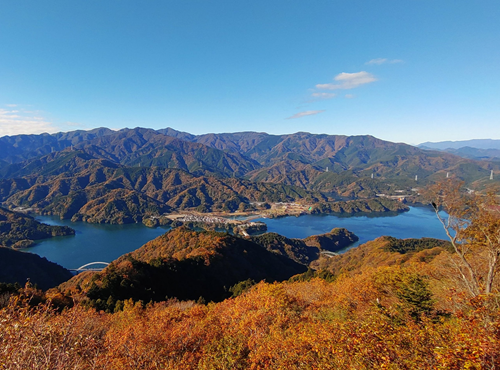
<point x="408" y="71"/>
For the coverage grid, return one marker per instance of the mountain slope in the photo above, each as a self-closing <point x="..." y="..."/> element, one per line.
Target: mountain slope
<point x="18" y="267"/>
<point x="383" y="251"/>
<point x="185" y="264"/>
<point x="332" y="163"/>
<point x="342" y="166"/>
<point x="73" y="184"/>
<point x="134" y="147"/>
<point x="306" y="250"/>
<point x="147" y="148"/>
<point x="21" y="147"/>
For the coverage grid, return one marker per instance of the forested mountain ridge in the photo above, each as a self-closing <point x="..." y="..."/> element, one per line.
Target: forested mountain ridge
<point x="132" y="147"/>
<point x="146" y="148"/>
<point x="312" y="161"/>
<point x="334" y="162"/>
<point x="17" y="148"/>
<point x="347" y="151"/>
<point x="123" y="176"/>
<point x="75" y="185"/>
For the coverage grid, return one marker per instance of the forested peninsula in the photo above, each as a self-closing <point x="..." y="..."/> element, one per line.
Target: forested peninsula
<point x="18" y="230"/>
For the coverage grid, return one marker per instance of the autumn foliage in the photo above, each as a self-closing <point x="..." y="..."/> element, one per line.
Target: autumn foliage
<point x="387" y="304"/>
<point x="380" y="318"/>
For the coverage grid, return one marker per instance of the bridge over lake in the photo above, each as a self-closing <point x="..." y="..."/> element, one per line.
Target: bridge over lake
<point x="87" y="267"/>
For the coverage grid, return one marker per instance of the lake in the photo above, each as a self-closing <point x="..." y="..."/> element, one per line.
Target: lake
<point x="418" y="222"/>
<point x="105" y="243"/>
<point x="92" y="242"/>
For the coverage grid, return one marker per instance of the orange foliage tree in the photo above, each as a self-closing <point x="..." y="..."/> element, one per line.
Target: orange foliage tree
<point x="472" y="224"/>
<point x="364" y="321"/>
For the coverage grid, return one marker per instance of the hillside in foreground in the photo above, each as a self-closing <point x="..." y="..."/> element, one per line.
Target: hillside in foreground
<point x="401" y="312"/>
<point x="184" y="264"/>
<point x="20" y="267"/>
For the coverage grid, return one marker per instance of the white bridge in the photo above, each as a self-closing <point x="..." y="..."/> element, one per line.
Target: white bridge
<point x="87" y="267"/>
<point x="329" y="254"/>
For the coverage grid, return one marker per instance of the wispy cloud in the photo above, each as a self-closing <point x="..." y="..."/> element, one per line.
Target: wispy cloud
<point x="345" y="81"/>
<point x="306" y="113"/>
<point x="323" y="95"/>
<point x="20" y="121"/>
<point x="379" y="61"/>
<point x="349" y="96"/>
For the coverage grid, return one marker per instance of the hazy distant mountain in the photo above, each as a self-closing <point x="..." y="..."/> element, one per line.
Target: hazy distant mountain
<point x="474" y="143"/>
<point x="483" y="150"/>
<point x="20" y="147"/>
<point x="477" y="154"/>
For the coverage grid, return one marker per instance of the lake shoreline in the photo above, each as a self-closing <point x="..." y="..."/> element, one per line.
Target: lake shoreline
<point x="101" y="242"/>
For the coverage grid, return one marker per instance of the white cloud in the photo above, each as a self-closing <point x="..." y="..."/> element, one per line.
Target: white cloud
<point x="379" y="61"/>
<point x="347" y="81"/>
<point x="19" y="121"/>
<point x="306" y="113"/>
<point x="323" y="95"/>
<point x="349" y="96"/>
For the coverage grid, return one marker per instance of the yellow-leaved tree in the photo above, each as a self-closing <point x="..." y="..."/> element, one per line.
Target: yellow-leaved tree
<point x="472" y="222"/>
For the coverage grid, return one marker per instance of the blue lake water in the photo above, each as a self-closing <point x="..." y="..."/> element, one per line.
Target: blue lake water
<point x="105" y="243"/>
<point x="417" y="223"/>
<point x="92" y="242"/>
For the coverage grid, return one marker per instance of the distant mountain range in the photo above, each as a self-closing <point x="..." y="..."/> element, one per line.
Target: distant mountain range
<point x="478" y="149"/>
<point x="123" y="176"/>
<point x="477" y="154"/>
<point x="474" y="143"/>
